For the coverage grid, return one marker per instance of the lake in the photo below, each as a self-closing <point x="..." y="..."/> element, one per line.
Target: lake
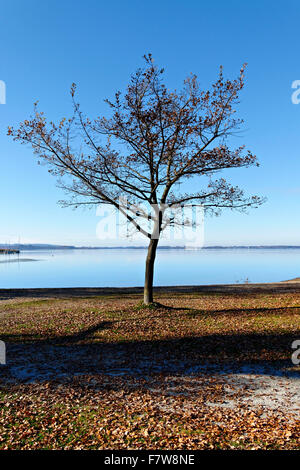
<point x="125" y="267"/>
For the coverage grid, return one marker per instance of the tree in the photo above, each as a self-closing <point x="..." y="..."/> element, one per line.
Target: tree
<point x="153" y="139"/>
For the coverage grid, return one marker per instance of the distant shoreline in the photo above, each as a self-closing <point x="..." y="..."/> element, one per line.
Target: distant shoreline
<point x="16" y="248"/>
<point x="8" y="251"/>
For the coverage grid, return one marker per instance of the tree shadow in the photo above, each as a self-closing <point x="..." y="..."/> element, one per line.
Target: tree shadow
<point x="239" y="311"/>
<point x="257" y="354"/>
<point x="31" y="358"/>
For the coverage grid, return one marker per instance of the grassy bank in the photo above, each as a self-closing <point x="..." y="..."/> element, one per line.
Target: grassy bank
<point x="102" y="372"/>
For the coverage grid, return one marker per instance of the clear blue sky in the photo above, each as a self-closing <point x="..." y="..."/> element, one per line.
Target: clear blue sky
<point x="97" y="44"/>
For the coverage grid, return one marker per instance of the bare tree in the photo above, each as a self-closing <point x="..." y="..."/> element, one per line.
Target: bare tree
<point x="153" y="139"/>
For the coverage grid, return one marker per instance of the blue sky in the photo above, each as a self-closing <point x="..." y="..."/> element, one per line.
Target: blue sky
<point x="97" y="44"/>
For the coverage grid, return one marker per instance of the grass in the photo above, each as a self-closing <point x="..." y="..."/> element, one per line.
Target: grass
<point x="97" y="411"/>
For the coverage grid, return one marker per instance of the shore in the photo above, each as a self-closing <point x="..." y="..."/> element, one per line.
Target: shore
<point x="7" y="251"/>
<point x="292" y="285"/>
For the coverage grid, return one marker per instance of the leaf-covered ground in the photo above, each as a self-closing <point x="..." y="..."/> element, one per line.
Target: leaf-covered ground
<point x="204" y="371"/>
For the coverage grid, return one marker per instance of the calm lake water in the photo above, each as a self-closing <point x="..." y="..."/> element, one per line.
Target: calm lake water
<point x="125" y="267"/>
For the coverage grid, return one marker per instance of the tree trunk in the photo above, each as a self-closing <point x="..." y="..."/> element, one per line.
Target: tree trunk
<point x="148" y="287"/>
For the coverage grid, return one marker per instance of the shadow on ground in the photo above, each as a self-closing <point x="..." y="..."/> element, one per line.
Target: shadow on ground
<point x="29" y="358"/>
